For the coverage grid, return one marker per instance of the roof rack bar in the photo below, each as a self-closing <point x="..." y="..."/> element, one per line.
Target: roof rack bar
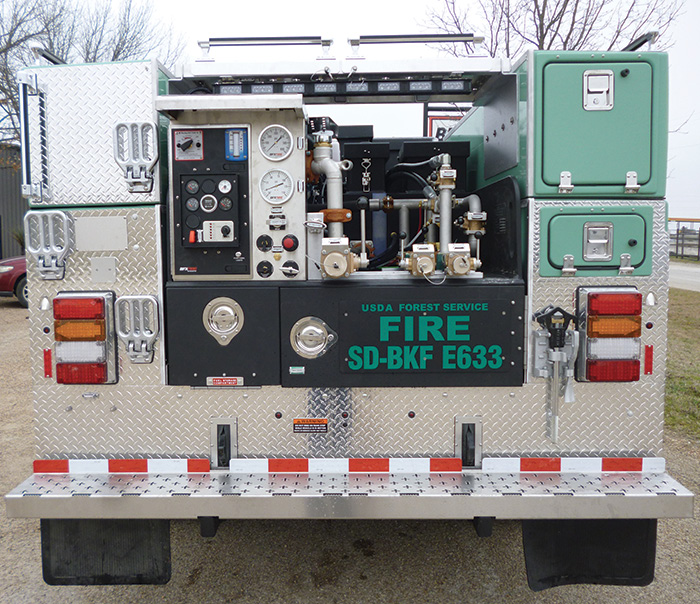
<point x="265" y="41"/>
<point x="415" y="38"/>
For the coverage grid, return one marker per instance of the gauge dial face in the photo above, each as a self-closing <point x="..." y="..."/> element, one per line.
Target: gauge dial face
<point x="276" y="142"/>
<point x="276" y="186"/>
<point x="225" y="186"/>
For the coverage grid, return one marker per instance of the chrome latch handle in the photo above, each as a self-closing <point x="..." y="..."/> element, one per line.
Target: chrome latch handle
<point x="49" y="241"/>
<point x="138" y="324"/>
<point x="136" y="152"/>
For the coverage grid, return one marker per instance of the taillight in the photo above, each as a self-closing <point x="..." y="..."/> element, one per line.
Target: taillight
<point x="614" y="304"/>
<point x="79" y="308"/>
<point x="610" y="320"/>
<point x="612" y="371"/>
<point x="614" y="327"/>
<point x="85" y="342"/>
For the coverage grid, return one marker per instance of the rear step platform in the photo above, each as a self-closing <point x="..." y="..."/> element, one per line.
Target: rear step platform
<point x="465" y="495"/>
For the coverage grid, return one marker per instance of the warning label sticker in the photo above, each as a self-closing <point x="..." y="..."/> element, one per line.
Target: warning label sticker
<point x="224" y="381"/>
<point x="307" y="425"/>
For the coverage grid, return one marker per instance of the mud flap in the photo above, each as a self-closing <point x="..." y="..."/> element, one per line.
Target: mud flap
<point x="603" y="552"/>
<point x="105" y="552"/>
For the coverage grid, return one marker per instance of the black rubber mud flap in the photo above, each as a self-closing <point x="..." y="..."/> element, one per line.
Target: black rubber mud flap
<point x="603" y="552"/>
<point x="105" y="552"/>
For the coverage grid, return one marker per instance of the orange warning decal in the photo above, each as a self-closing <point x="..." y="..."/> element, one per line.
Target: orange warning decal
<point x="306" y="425"/>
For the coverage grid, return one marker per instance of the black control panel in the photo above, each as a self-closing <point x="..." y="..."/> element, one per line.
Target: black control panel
<point x="211" y="201"/>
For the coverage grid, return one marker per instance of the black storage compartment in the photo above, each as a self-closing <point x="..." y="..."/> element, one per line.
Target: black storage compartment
<point x="367" y="157"/>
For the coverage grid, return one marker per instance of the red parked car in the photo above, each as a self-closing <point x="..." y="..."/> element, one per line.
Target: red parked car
<point x="13" y="278"/>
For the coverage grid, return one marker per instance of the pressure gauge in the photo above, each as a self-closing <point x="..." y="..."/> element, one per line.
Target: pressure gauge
<point x="276" y="186"/>
<point x="276" y="142"/>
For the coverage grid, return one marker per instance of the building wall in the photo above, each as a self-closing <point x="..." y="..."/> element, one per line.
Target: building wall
<point x="12" y="205"/>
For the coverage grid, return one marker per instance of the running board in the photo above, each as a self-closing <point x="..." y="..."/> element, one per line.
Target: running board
<point x="464" y="495"/>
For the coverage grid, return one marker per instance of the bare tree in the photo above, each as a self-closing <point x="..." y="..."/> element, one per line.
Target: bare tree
<point x="511" y="26"/>
<point x="75" y="30"/>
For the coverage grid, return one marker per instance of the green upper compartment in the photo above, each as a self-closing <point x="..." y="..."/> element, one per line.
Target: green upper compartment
<point x="597" y="147"/>
<point x="561" y="129"/>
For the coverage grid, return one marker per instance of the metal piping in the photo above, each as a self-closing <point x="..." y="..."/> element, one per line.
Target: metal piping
<point x="446" y="186"/>
<point x="324" y="164"/>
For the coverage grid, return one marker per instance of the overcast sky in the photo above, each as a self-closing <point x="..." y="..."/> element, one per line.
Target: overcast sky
<point x="340" y="20"/>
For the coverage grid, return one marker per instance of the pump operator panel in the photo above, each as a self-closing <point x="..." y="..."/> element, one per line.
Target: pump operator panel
<point x="238" y="207"/>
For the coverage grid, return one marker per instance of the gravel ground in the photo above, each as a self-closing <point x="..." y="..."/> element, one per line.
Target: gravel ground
<point x="319" y="561"/>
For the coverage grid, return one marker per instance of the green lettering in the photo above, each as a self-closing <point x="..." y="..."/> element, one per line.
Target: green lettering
<point x="393" y="357"/>
<point x="464" y="358"/>
<point x="448" y="357"/>
<point x="387" y="324"/>
<point x="371" y="357"/>
<point x="355" y="357"/>
<point x="480" y="360"/>
<point x="408" y="327"/>
<point x="409" y="357"/>
<point x="426" y="354"/>
<point x="457" y="326"/>
<point x="429" y="326"/>
<point x="495" y="361"/>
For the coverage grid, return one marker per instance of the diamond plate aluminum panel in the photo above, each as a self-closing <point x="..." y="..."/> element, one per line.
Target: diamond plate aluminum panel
<point x="83" y="103"/>
<point x="140" y="416"/>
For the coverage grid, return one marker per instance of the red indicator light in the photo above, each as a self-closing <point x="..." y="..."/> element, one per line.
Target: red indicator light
<point x="612" y="371"/>
<point x="79" y="308"/>
<point x="193" y="237"/>
<point x="615" y="304"/>
<point x="81" y="373"/>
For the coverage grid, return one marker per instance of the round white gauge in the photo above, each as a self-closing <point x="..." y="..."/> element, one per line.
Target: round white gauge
<point x="276" y="186"/>
<point x="225" y="186"/>
<point x="276" y="142"/>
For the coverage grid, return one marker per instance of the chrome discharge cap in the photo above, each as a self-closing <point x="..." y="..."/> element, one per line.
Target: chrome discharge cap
<point x="311" y="337"/>
<point x="223" y="319"/>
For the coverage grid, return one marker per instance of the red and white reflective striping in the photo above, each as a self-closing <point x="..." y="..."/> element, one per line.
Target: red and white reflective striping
<point x="398" y="465"/>
<point x="581" y="465"/>
<point x="116" y="466"/>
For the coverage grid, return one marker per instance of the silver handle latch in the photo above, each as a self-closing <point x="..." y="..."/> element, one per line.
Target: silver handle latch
<point x="136" y="152"/>
<point x="49" y="240"/>
<point x="138" y="325"/>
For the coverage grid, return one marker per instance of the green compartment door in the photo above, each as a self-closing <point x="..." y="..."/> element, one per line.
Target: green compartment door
<point x="597" y="146"/>
<point x="596" y="239"/>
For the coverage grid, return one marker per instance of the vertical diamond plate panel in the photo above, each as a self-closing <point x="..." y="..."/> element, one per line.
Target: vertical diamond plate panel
<point x="141" y="416"/>
<point x="83" y="103"/>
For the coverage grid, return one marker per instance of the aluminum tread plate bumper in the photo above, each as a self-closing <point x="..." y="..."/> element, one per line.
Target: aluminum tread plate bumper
<point x="406" y="496"/>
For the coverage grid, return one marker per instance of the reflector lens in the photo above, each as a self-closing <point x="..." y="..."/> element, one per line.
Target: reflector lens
<point x="81" y="373"/>
<point x="79" y="331"/>
<point x="612" y="371"/>
<point x="614" y="327"/>
<point x="615" y="304"/>
<point x="78" y="308"/>
<point x="614" y="348"/>
<point x="80" y="352"/>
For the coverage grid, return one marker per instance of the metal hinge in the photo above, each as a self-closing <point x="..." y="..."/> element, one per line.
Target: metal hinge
<point x="565" y="185"/>
<point x="136" y="152"/>
<point x="49" y="240"/>
<point x="631" y="186"/>
<point x="626" y="267"/>
<point x="138" y="324"/>
<point x="568" y="269"/>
